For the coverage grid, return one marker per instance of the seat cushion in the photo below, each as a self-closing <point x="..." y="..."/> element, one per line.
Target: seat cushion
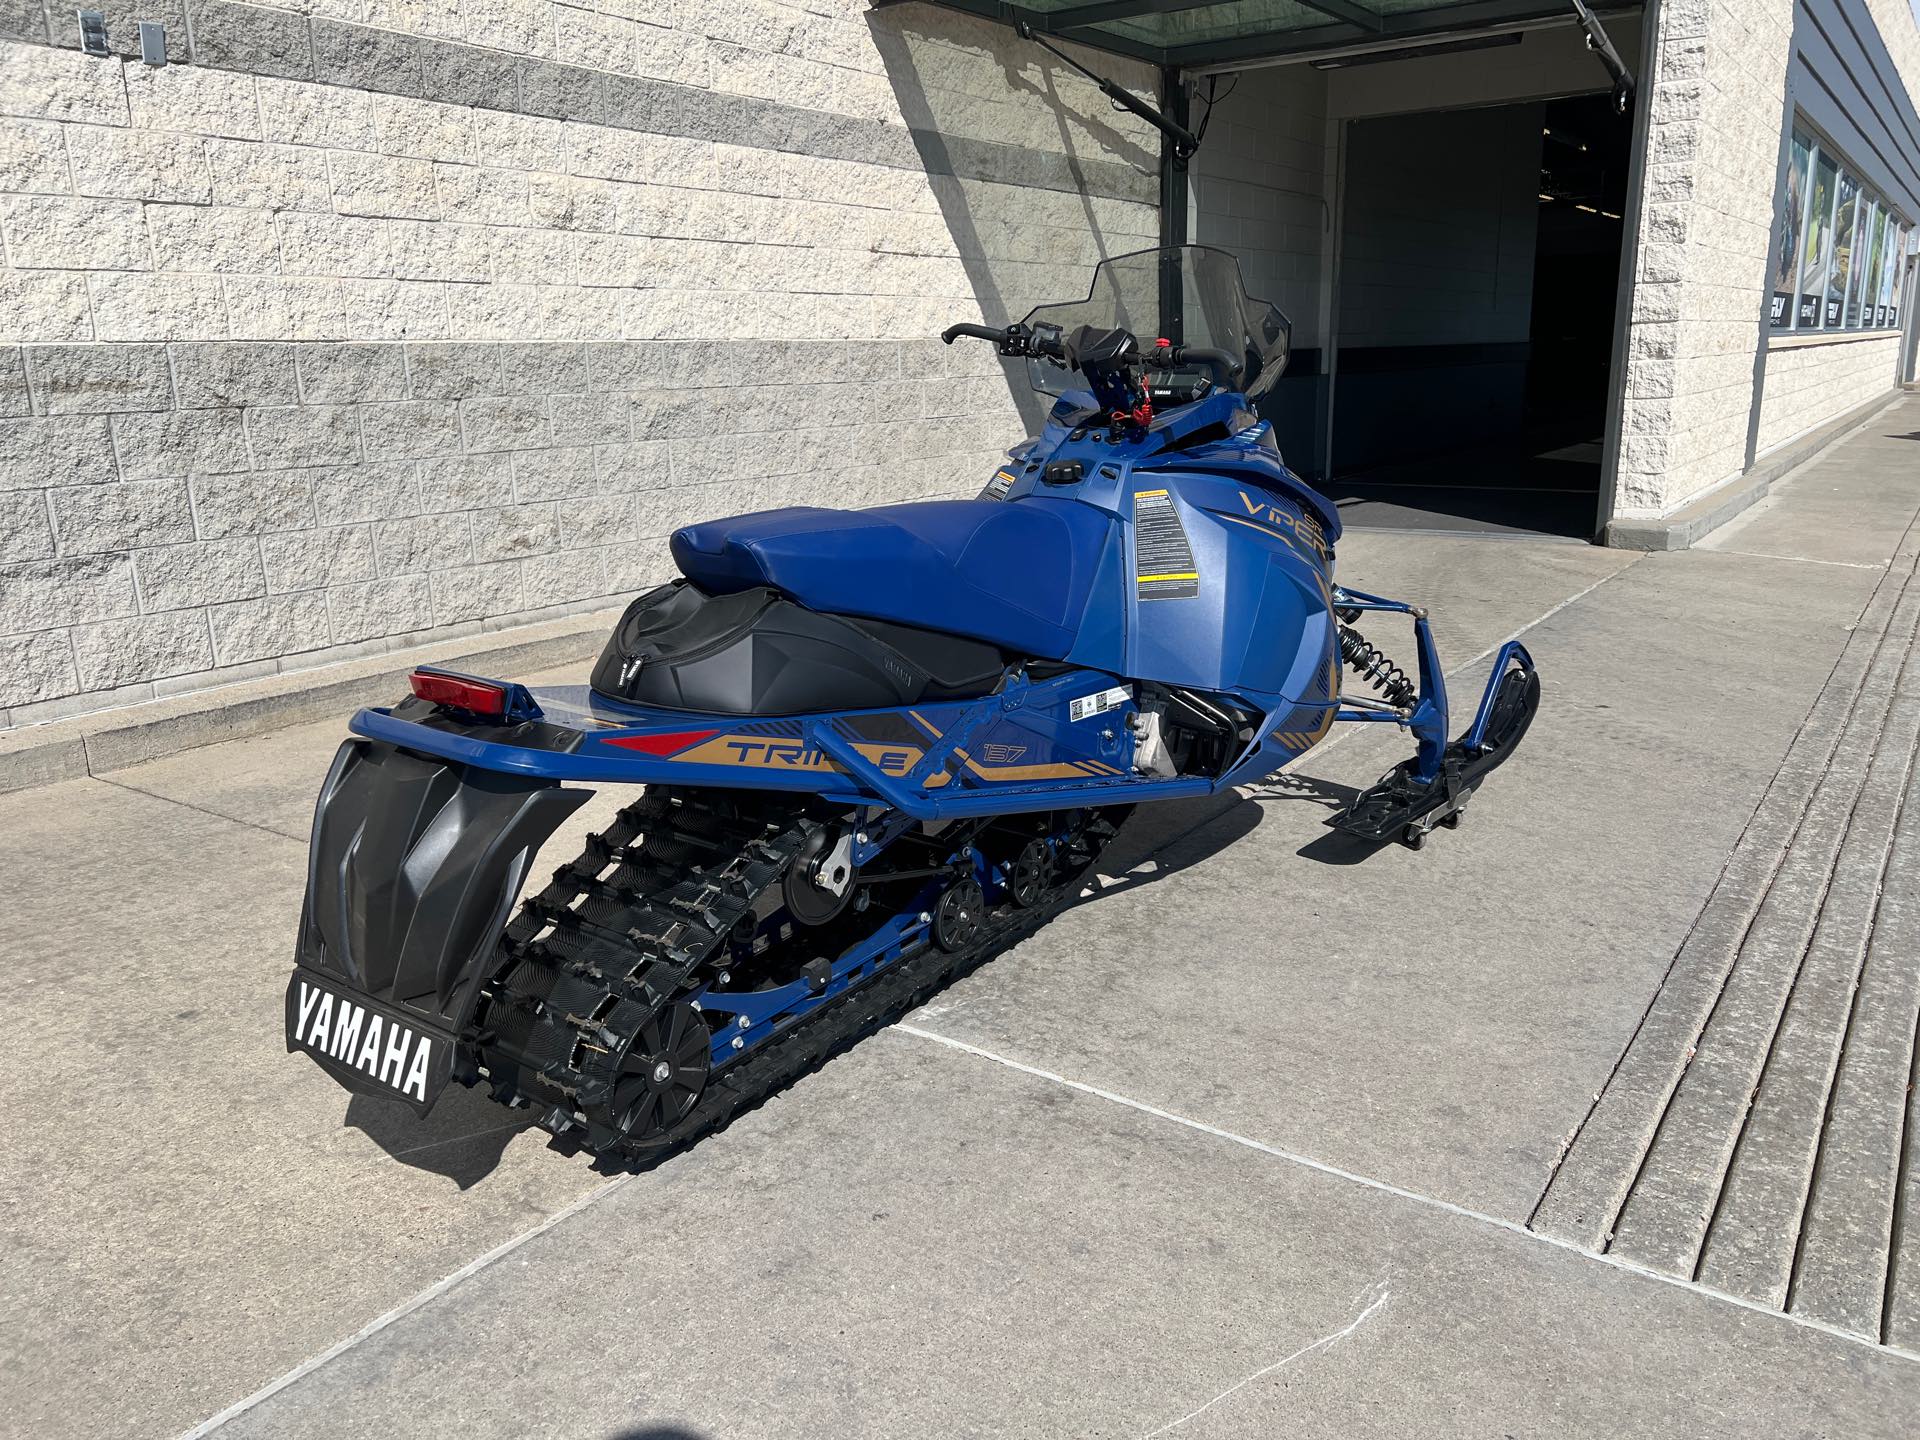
<point x="1014" y="573"/>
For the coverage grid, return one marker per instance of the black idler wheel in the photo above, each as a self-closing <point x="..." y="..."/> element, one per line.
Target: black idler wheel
<point x="809" y="901"/>
<point x="661" y="1073"/>
<point x="956" y="920"/>
<point x="1031" y="874"/>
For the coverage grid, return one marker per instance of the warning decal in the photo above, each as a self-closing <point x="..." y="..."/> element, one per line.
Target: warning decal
<point x="998" y="486"/>
<point x="1163" y="560"/>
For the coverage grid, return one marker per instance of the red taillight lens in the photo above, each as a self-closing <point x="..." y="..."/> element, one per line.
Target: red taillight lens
<point x="661" y="744"/>
<point x="461" y="692"/>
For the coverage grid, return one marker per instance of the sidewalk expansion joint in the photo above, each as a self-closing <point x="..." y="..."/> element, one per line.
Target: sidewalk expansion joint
<point x="405" y="1308"/>
<point x="1387" y="1187"/>
<point x="200" y="809"/>
<point x="1800" y="559"/>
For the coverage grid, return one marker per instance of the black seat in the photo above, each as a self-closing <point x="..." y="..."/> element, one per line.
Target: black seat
<point x="755" y="652"/>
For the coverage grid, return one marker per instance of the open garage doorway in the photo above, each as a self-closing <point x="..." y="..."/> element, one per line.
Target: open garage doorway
<point x="1477" y="282"/>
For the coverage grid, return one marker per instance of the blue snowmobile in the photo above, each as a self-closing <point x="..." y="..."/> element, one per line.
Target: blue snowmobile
<point x="877" y="746"/>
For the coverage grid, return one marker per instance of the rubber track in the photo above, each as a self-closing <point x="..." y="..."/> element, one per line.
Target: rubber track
<point x="643" y="931"/>
<point x="907" y="983"/>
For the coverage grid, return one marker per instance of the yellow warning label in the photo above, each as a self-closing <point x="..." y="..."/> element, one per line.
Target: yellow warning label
<point x="1164" y="567"/>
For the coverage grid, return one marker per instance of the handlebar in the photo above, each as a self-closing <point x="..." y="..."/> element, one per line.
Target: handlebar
<point x="1017" y="340"/>
<point x="1225" y="369"/>
<point x="979" y="332"/>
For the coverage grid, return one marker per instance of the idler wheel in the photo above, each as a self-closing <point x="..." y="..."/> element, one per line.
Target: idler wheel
<point x="956" y="920"/>
<point x="1031" y="874"/>
<point x="820" y="881"/>
<point x="661" y="1073"/>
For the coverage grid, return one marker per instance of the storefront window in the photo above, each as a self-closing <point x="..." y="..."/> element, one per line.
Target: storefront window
<point x="1839" y="247"/>
<point x="1871" y="311"/>
<point x="1889" y="272"/>
<point x="1816" y="250"/>
<point x="1844" y="215"/>
<point x="1898" y="267"/>
<point x="1793" y="206"/>
<point x="1863" y="212"/>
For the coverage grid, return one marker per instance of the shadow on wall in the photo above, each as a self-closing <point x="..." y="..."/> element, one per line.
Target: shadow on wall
<point x="997" y="250"/>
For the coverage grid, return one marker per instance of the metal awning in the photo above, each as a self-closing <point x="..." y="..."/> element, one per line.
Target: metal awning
<point x="1194" y="33"/>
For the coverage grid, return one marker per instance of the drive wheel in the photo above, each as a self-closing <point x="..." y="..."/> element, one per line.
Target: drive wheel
<point x="1031" y="874"/>
<point x="662" y="1073"/>
<point x="957" y="918"/>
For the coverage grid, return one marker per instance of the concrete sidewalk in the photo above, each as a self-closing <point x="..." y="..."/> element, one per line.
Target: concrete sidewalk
<point x="1263" y="1138"/>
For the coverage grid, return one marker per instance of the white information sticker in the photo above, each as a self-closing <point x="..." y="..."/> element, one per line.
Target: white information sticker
<point x="1097" y="704"/>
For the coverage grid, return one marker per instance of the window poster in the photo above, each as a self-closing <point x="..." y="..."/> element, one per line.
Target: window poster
<point x="1890" y="270"/>
<point x="1841" y="271"/>
<point x="1816" y="247"/>
<point x="1897" y="247"/>
<point x="1870" y="314"/>
<point x="1863" y="213"/>
<point x="1793" y="205"/>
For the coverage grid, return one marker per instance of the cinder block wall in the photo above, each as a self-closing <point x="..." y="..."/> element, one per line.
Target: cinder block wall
<point x="1718" y="74"/>
<point x="1262" y="188"/>
<point x="1808" y="385"/>
<point x="337" y="333"/>
<point x="1441" y="211"/>
<point x="1710" y="198"/>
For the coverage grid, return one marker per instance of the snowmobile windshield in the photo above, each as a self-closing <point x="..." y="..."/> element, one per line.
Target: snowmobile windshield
<point x="1216" y="313"/>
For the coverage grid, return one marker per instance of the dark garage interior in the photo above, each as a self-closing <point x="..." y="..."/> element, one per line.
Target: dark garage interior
<point x="1478" y="279"/>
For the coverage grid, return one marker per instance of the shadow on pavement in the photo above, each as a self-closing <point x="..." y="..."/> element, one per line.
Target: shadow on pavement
<point x="463" y="1139"/>
<point x="659" y="1432"/>
<point x="1334" y="847"/>
<point x="1308" y="788"/>
<point x="464" y="1136"/>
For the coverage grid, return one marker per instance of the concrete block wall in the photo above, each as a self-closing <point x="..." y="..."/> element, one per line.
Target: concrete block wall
<point x="1718" y="78"/>
<point x="1441" y="213"/>
<point x="335" y="335"/>
<point x="1808" y="382"/>
<point x="1808" y="385"/>
<point x="1262" y="188"/>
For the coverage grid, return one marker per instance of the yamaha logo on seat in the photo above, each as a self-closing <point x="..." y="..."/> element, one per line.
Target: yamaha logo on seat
<point x="381" y="1048"/>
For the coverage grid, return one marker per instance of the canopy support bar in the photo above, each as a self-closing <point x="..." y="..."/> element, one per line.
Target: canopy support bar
<point x="1174" y="97"/>
<point x="1182" y="140"/>
<point x="1602" y="46"/>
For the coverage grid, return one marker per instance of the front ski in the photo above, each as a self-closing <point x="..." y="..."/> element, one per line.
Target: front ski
<point x="1406" y="806"/>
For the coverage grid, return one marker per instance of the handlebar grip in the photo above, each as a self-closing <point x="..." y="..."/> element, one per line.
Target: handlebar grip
<point x="979" y="332"/>
<point x="1226" y="369"/>
<point x="1201" y="355"/>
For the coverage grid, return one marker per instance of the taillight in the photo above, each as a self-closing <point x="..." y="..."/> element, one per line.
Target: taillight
<point x="661" y="744"/>
<point x="461" y="692"/>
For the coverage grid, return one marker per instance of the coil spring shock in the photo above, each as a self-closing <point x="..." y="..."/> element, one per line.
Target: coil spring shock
<point x="1372" y="665"/>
